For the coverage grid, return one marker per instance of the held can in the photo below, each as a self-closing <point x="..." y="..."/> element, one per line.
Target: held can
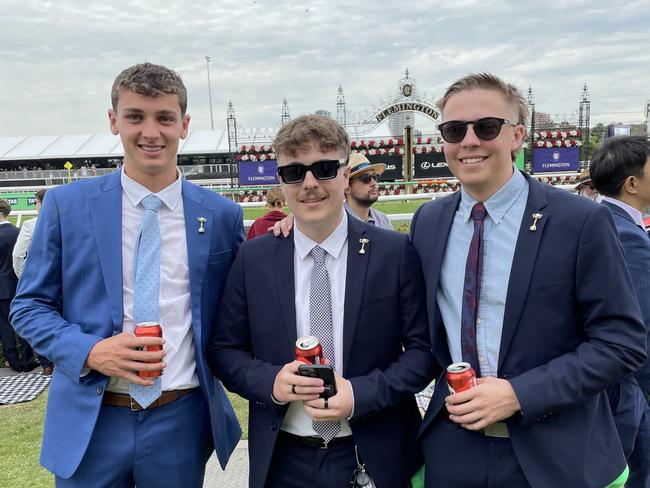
<point x="309" y="350"/>
<point x="149" y="329"/>
<point x="460" y="377"/>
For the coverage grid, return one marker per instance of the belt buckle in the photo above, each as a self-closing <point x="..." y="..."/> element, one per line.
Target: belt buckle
<point x="497" y="429"/>
<point x="135" y="406"/>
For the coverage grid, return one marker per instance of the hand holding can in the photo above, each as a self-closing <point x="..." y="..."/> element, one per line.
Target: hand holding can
<point x="460" y="377"/>
<point x="149" y="329"/>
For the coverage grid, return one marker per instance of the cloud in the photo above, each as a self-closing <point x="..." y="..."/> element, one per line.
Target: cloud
<point x="58" y="59"/>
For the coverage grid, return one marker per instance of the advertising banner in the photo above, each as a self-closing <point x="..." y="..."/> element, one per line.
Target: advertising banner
<point x="556" y="159"/>
<point x="393" y="166"/>
<point x="431" y="165"/>
<point x="258" y="173"/>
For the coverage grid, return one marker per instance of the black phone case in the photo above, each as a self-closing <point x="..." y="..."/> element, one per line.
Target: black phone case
<point x="323" y="371"/>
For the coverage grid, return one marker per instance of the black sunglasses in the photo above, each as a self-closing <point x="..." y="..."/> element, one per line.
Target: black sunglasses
<point x="322" y="170"/>
<point x="486" y="129"/>
<point x="367" y="178"/>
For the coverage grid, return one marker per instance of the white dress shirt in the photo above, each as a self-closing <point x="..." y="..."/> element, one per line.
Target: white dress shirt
<point x="175" y="306"/>
<point x="22" y="245"/>
<point x="296" y="421"/>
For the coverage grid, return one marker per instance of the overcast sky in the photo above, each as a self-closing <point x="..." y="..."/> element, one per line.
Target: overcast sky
<point x="58" y="58"/>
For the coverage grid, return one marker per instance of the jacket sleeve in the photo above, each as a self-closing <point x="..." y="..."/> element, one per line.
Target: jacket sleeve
<point x="36" y="309"/>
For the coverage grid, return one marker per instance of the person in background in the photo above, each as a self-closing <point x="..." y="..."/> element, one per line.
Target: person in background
<point x="585" y="187"/>
<point x="275" y="201"/>
<point x="620" y="171"/>
<point x="17" y="352"/>
<point x="20" y="253"/>
<point x="363" y="191"/>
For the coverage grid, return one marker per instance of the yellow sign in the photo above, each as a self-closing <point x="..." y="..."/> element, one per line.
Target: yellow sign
<point x="68" y="165"/>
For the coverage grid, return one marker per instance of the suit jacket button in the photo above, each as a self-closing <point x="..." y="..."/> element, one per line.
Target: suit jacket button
<point x="274" y="426"/>
<point x="100" y="390"/>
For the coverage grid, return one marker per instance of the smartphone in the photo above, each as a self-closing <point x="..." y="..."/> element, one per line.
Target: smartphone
<point x="323" y="371"/>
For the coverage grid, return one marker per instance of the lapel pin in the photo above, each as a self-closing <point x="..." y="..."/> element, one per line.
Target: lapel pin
<point x="536" y="217"/>
<point x="202" y="220"/>
<point x="363" y="243"/>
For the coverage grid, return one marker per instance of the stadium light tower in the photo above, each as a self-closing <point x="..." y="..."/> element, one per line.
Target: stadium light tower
<point x="207" y="62"/>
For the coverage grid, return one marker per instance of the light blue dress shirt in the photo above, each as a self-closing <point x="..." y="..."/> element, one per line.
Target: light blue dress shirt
<point x="505" y="210"/>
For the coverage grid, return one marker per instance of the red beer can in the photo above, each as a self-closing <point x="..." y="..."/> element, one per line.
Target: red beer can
<point x="309" y="350"/>
<point x="460" y="377"/>
<point x="149" y="329"/>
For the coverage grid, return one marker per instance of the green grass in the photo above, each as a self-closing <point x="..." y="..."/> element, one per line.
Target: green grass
<point x="389" y="207"/>
<point x="21" y="429"/>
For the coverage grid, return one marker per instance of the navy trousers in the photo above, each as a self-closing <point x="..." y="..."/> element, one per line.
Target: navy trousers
<point x="295" y="465"/>
<point x="459" y="458"/>
<point x="166" y="447"/>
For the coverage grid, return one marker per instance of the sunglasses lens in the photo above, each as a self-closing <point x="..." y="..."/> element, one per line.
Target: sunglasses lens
<point x="487" y="129"/>
<point x="453" y="131"/>
<point x="367" y="178"/>
<point x="293" y="173"/>
<point x="325" y="170"/>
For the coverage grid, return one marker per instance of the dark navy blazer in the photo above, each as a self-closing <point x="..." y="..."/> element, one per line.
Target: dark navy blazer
<point x="572" y="328"/>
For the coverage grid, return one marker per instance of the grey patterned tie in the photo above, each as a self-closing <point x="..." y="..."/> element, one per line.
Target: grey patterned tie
<point x="320" y="324"/>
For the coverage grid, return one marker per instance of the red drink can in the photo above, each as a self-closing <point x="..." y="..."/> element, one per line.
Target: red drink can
<point x="309" y="350"/>
<point x="460" y="377"/>
<point x="149" y="329"/>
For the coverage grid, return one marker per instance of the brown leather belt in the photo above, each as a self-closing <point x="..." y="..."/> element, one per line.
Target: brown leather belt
<point x="124" y="400"/>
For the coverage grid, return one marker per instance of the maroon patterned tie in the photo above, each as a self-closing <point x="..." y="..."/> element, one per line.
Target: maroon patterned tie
<point x="472" y="290"/>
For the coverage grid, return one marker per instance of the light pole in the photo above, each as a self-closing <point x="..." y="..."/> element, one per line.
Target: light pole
<point x="207" y="61"/>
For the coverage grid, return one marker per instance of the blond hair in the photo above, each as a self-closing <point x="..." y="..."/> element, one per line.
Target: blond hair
<point x="275" y="196"/>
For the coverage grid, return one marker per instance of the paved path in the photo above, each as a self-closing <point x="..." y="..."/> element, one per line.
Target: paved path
<point x="236" y="473"/>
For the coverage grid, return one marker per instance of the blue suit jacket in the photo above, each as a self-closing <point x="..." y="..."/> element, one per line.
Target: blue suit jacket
<point x="636" y="246"/>
<point x="70" y="297"/>
<point x="383" y="312"/>
<point x="572" y="328"/>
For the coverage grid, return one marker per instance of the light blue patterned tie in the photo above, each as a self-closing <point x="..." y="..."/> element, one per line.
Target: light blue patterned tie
<point x="147" y="285"/>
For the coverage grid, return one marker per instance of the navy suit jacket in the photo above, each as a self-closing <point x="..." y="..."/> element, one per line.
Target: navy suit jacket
<point x="70" y="297"/>
<point x="636" y="246"/>
<point x="386" y="349"/>
<point x="8" y="278"/>
<point x="572" y="328"/>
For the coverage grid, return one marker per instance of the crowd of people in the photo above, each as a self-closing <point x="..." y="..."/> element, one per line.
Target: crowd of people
<point x="541" y="292"/>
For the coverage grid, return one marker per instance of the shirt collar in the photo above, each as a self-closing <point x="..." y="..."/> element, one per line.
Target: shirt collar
<point x="170" y="195"/>
<point x="499" y="203"/>
<point x="631" y="211"/>
<point x="332" y="245"/>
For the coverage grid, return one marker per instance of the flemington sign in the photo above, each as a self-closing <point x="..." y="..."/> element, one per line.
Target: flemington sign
<point x="406" y="106"/>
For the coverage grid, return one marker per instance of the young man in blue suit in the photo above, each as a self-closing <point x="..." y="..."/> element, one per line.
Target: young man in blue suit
<point x="355" y="286"/>
<point x="82" y="291"/>
<point x="529" y="285"/>
<point x="620" y="171"/>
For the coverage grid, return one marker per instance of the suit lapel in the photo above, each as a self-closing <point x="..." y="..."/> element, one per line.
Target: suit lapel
<point x="439" y="241"/>
<point x="285" y="284"/>
<point x="106" y="217"/>
<point x="523" y="262"/>
<point x="198" y="248"/>
<point x="355" y="283"/>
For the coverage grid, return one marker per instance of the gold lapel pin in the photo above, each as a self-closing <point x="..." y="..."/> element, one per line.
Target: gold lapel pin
<point x="536" y="217"/>
<point x="202" y="220"/>
<point x="363" y="243"/>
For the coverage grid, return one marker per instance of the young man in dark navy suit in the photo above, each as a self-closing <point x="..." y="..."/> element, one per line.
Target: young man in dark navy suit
<point x="365" y="284"/>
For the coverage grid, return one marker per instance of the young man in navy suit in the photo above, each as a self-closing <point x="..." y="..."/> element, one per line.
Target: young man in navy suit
<point x="620" y="171"/>
<point x="80" y="295"/>
<point x="365" y="284"/>
<point x="529" y="285"/>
